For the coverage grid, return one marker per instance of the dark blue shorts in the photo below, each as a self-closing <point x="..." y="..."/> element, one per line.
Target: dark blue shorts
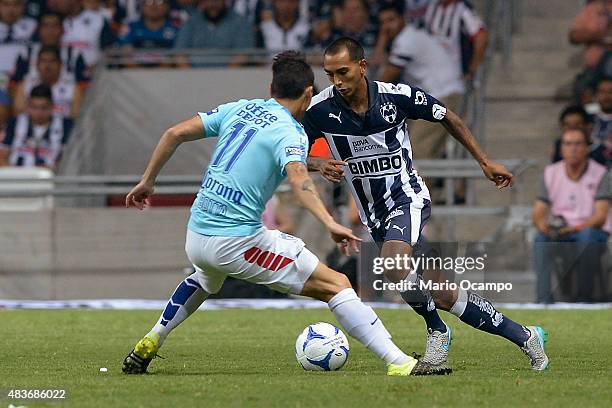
<point x="403" y="223"/>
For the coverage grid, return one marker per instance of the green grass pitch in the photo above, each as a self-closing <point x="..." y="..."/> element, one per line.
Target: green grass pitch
<point x="244" y="358"/>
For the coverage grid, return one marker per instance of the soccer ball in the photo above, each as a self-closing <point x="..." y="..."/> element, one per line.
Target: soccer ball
<point x="321" y="347"/>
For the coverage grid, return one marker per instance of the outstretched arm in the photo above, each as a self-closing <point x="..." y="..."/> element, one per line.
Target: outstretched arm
<point x="495" y="172"/>
<point x="306" y="192"/>
<point x="186" y="131"/>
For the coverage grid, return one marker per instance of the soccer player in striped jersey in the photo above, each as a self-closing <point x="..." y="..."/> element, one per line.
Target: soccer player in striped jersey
<point x="364" y="123"/>
<point x="225" y="236"/>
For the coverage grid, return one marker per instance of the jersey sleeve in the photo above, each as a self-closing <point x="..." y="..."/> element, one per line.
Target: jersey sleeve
<point x="312" y="131"/>
<point x="213" y="119"/>
<point x="292" y="148"/>
<point x="418" y="104"/>
<point x="471" y="23"/>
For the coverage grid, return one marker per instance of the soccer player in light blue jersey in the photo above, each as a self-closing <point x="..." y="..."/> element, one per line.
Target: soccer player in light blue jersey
<point x="259" y="143"/>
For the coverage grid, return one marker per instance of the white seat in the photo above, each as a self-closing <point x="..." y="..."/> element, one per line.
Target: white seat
<point x="27" y="180"/>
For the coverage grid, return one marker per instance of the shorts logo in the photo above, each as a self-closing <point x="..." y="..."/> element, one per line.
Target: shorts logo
<point x="420" y="98"/>
<point x="266" y="259"/>
<point x="438" y="112"/>
<point x="212" y="111"/>
<point x="295" y="151"/>
<point x="388" y="111"/>
<point x="399" y="229"/>
<point x="395" y="213"/>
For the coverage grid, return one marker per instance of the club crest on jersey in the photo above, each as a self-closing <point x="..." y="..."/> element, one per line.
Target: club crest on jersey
<point x="388" y="111"/>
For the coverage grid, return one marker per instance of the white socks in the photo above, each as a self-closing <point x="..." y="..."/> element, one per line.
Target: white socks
<point x="362" y="323"/>
<point x="186" y="299"/>
<point x="460" y="304"/>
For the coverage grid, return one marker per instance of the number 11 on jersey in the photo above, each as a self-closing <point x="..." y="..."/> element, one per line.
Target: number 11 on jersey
<point x="237" y="128"/>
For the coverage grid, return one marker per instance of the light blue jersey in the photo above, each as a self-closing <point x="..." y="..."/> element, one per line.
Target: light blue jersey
<point x="256" y="139"/>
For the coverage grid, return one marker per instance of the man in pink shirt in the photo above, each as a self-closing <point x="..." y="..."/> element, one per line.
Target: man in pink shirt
<point x="572" y="206"/>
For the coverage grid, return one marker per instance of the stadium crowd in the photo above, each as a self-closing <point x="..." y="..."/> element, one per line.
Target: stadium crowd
<point x="573" y="201"/>
<point x="54" y="45"/>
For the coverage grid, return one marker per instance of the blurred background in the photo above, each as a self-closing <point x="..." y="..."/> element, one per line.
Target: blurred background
<point x="87" y="87"/>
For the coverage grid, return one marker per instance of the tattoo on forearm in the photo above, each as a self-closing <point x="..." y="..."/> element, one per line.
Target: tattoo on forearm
<point x="307" y="185"/>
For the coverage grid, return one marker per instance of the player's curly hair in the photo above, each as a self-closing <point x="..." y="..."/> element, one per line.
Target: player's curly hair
<point x="291" y="75"/>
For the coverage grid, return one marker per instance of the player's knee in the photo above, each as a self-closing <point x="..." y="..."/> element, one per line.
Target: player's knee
<point x="342" y="282"/>
<point x="335" y="285"/>
<point x="326" y="283"/>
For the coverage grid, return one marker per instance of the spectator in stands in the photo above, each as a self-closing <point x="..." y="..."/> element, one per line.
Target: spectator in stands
<point x="14" y="25"/>
<point x="418" y="58"/>
<point x="592" y="27"/>
<point x="353" y="21"/>
<point x="67" y="94"/>
<point x="16" y="31"/>
<point x="286" y="29"/>
<point x="50" y="32"/>
<point x="126" y="12"/>
<point x="153" y="30"/>
<point x="215" y="26"/>
<point x="602" y="126"/>
<point x="572" y="206"/>
<point x="462" y="32"/>
<point x="37" y="136"/>
<point x="84" y="29"/>
<point x="573" y="116"/>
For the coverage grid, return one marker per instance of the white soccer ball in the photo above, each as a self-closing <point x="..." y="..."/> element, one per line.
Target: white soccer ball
<point x="321" y="347"/>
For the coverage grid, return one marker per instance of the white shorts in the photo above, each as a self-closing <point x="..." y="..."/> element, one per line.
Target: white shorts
<point x="268" y="257"/>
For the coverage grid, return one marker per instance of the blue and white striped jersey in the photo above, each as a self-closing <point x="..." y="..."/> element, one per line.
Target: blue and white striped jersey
<point x="376" y="145"/>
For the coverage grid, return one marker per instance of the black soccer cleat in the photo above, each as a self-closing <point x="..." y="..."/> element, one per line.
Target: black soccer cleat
<point x="139" y="359"/>
<point x="133" y="364"/>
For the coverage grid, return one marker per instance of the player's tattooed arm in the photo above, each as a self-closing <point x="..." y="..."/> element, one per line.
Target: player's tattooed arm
<point x="495" y="172"/>
<point x="306" y="192"/>
<point x="330" y="169"/>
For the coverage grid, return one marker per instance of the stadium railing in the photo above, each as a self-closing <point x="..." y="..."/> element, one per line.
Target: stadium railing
<point x="28" y="186"/>
<point x="15" y="182"/>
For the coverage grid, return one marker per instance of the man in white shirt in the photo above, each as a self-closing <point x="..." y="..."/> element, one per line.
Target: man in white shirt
<point x="419" y="59"/>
